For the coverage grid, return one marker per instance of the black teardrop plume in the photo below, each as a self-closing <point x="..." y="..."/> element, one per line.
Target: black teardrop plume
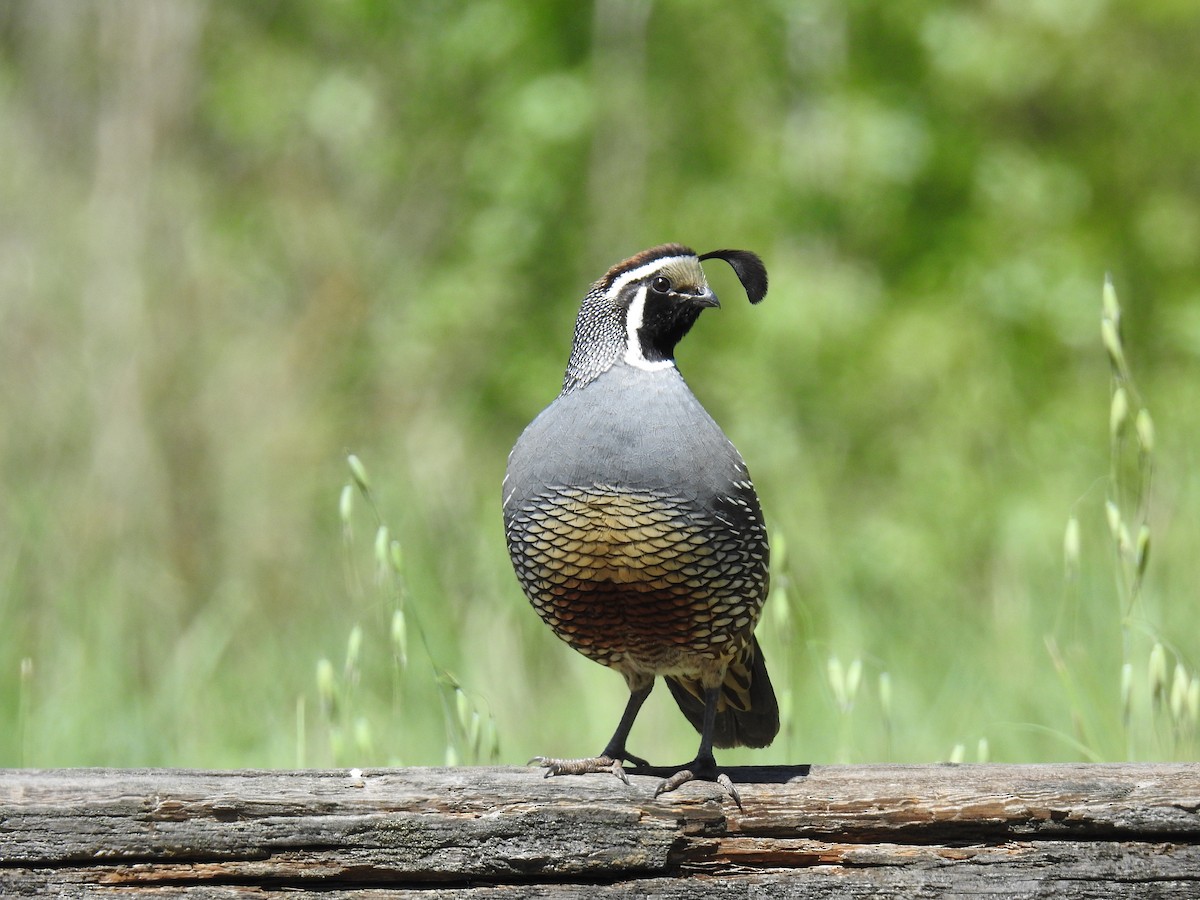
<point x="749" y="269"/>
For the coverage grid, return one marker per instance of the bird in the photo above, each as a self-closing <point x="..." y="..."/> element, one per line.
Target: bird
<point x="632" y="523"/>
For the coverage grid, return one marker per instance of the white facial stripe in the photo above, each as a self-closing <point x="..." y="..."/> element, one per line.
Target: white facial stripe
<point x="633" y="343"/>
<point x="633" y="274"/>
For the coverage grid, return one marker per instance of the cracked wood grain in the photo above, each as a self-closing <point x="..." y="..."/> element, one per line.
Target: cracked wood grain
<point x="870" y="831"/>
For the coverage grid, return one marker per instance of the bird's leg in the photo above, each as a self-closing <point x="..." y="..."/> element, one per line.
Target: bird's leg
<point x="614" y="752"/>
<point x="704" y="766"/>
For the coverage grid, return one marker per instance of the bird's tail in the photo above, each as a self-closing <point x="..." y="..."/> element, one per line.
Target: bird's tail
<point x="747" y="711"/>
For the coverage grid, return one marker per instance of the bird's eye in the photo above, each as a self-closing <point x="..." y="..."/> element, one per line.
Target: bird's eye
<point x="661" y="284"/>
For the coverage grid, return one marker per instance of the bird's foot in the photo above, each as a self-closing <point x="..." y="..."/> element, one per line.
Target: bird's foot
<point x="702" y="770"/>
<point x="602" y="763"/>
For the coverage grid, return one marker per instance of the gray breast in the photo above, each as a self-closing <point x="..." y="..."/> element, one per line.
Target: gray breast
<point x="627" y="428"/>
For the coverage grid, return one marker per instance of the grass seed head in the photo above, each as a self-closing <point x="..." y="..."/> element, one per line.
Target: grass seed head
<point x="1157" y="672"/>
<point x="1179" y="689"/>
<point x="1145" y="431"/>
<point x="362" y="736"/>
<point x="837" y="681"/>
<point x="779" y="608"/>
<point x="1118" y="412"/>
<point x="399" y="634"/>
<point x="462" y="708"/>
<point x="1108" y="299"/>
<point x="1113" y="514"/>
<point x="1112" y="343"/>
<point x="326" y="685"/>
<point x="1071" y="548"/>
<point x="353" y="652"/>
<point x="885" y="695"/>
<point x="778" y="551"/>
<point x="359" y="473"/>
<point x="1126" y="691"/>
<point x="473" y="732"/>
<point x="382" y="556"/>
<point x="853" y="680"/>
<point x="1142" y="550"/>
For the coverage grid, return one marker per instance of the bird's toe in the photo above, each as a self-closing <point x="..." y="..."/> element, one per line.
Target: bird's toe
<point x="584" y="766"/>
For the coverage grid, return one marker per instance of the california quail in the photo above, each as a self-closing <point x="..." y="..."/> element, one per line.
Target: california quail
<point x="631" y="520"/>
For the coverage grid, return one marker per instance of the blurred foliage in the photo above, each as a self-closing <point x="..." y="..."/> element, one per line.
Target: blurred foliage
<point x="239" y="240"/>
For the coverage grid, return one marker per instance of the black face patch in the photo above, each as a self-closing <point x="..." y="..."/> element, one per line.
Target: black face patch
<point x="666" y="318"/>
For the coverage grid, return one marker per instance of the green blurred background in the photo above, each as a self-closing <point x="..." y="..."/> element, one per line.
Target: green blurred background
<point x="239" y="241"/>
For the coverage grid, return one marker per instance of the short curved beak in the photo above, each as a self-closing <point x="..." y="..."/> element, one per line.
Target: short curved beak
<point x="706" y="299"/>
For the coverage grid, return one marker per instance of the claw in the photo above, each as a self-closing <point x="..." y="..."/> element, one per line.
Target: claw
<point x="619" y="770"/>
<point x="724" y="781"/>
<point x="683" y="776"/>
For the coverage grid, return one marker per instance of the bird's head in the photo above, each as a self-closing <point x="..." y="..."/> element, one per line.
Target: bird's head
<point x="643" y="307"/>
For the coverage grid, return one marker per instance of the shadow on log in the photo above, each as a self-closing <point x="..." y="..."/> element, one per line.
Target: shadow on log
<point x="1064" y="831"/>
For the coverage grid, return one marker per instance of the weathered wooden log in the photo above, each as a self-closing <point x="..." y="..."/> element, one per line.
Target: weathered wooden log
<point x="1069" y="831"/>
